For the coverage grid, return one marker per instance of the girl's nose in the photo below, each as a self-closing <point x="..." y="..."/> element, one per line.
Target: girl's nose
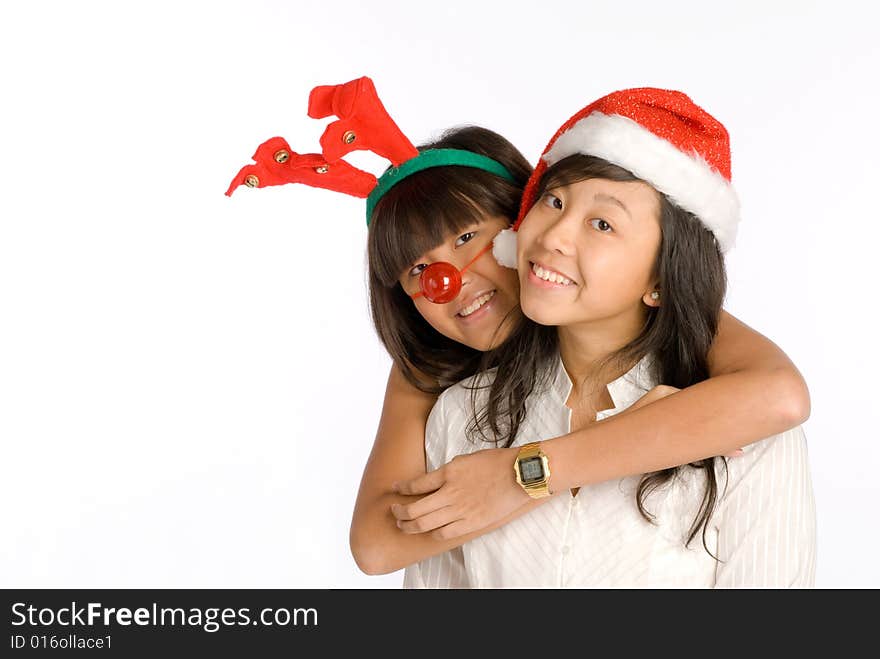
<point x="558" y="236"/>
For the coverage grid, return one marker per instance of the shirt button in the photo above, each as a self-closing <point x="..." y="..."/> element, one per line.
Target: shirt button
<point x="566" y="549"/>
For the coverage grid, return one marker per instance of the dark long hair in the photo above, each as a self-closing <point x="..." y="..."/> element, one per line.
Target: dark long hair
<point x="414" y="217"/>
<point x="678" y="333"/>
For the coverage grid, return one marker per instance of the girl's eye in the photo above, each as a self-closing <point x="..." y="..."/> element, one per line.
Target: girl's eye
<point x="601" y="225"/>
<point x="417" y="270"/>
<point x="553" y="201"/>
<point x="464" y="238"/>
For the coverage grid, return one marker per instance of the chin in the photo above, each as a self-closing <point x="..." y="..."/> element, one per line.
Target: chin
<point x="539" y="313"/>
<point x="480" y="343"/>
<point x="546" y="321"/>
<point x="486" y="344"/>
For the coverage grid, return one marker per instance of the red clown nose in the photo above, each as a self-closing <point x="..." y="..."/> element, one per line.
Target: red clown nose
<point x="440" y="282"/>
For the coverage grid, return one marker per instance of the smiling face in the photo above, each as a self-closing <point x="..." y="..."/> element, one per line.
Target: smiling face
<point x="587" y="252"/>
<point x="482" y="315"/>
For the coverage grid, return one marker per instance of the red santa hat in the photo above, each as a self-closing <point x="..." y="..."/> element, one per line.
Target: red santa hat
<point x="663" y="138"/>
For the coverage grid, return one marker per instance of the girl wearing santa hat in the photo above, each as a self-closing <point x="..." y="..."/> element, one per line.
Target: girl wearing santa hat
<point x="620" y="244"/>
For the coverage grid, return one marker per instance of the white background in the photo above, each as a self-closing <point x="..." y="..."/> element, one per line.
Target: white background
<point x="190" y="384"/>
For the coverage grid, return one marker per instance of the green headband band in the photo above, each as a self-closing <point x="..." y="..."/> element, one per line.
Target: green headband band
<point x="433" y="158"/>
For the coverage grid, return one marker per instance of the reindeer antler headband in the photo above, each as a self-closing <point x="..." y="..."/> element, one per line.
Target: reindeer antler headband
<point x="362" y="124"/>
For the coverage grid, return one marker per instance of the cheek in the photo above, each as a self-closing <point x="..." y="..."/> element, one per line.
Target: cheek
<point x="434" y="316"/>
<point x="409" y="285"/>
<point x="643" y="262"/>
<point x="508" y="281"/>
<point x="427" y="310"/>
<point x="488" y="272"/>
<point x="623" y="274"/>
<point x="525" y="240"/>
<point x="527" y="233"/>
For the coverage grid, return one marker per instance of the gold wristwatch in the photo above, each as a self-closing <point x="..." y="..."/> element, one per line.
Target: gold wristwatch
<point x="532" y="470"/>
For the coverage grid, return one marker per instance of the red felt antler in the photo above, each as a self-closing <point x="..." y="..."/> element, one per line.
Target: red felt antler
<point x="363" y="122"/>
<point x="277" y="164"/>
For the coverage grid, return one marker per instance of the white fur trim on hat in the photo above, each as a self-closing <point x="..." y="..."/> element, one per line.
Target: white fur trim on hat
<point x="504" y="248"/>
<point x="688" y="180"/>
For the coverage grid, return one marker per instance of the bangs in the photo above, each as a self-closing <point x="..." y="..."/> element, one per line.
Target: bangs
<point x="581" y="167"/>
<point x="419" y="213"/>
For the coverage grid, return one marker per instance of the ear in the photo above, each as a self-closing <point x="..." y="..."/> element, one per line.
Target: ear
<point x="652" y="297"/>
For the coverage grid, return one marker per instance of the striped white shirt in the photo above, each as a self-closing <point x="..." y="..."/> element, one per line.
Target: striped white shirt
<point x="763" y="529"/>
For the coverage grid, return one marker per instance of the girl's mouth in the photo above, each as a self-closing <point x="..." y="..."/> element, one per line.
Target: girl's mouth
<point x="546" y="278"/>
<point x="477" y="308"/>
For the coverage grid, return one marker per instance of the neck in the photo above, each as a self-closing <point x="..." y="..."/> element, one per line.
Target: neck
<point x="585" y="347"/>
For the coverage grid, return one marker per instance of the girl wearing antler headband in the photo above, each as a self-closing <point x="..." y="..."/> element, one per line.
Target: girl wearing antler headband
<point x="448" y="212"/>
<point x="620" y="258"/>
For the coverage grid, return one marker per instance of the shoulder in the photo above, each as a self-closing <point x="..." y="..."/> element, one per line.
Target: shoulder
<point x="446" y="430"/>
<point x="788" y="447"/>
<point x="770" y="465"/>
<point x="767" y="521"/>
<point x="458" y="395"/>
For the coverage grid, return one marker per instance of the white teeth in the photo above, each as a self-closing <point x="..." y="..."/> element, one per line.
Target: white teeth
<point x="549" y="275"/>
<point x="476" y="304"/>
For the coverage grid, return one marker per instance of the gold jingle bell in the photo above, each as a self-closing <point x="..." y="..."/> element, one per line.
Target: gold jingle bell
<point x="282" y="156"/>
<point x="323" y="169"/>
<point x="251" y="181"/>
<point x="349" y="137"/>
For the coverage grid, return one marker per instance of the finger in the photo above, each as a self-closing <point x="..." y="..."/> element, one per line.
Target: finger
<point x="735" y="454"/>
<point x="424" y="506"/>
<point x="423" y="484"/>
<point x="428" y="522"/>
<point x="453" y="530"/>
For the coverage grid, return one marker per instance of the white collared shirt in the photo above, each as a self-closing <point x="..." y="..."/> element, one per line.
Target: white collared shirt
<point x="763" y="529"/>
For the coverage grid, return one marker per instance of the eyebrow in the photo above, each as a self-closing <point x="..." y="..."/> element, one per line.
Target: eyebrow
<point x="599" y="196"/>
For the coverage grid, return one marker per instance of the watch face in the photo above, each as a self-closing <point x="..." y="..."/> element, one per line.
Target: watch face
<point x="531" y="470"/>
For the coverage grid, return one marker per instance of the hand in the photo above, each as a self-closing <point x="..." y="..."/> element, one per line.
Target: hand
<point x="469" y="493"/>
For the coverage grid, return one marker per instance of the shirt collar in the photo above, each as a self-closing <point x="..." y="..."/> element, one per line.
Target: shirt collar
<point x="624" y="391"/>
